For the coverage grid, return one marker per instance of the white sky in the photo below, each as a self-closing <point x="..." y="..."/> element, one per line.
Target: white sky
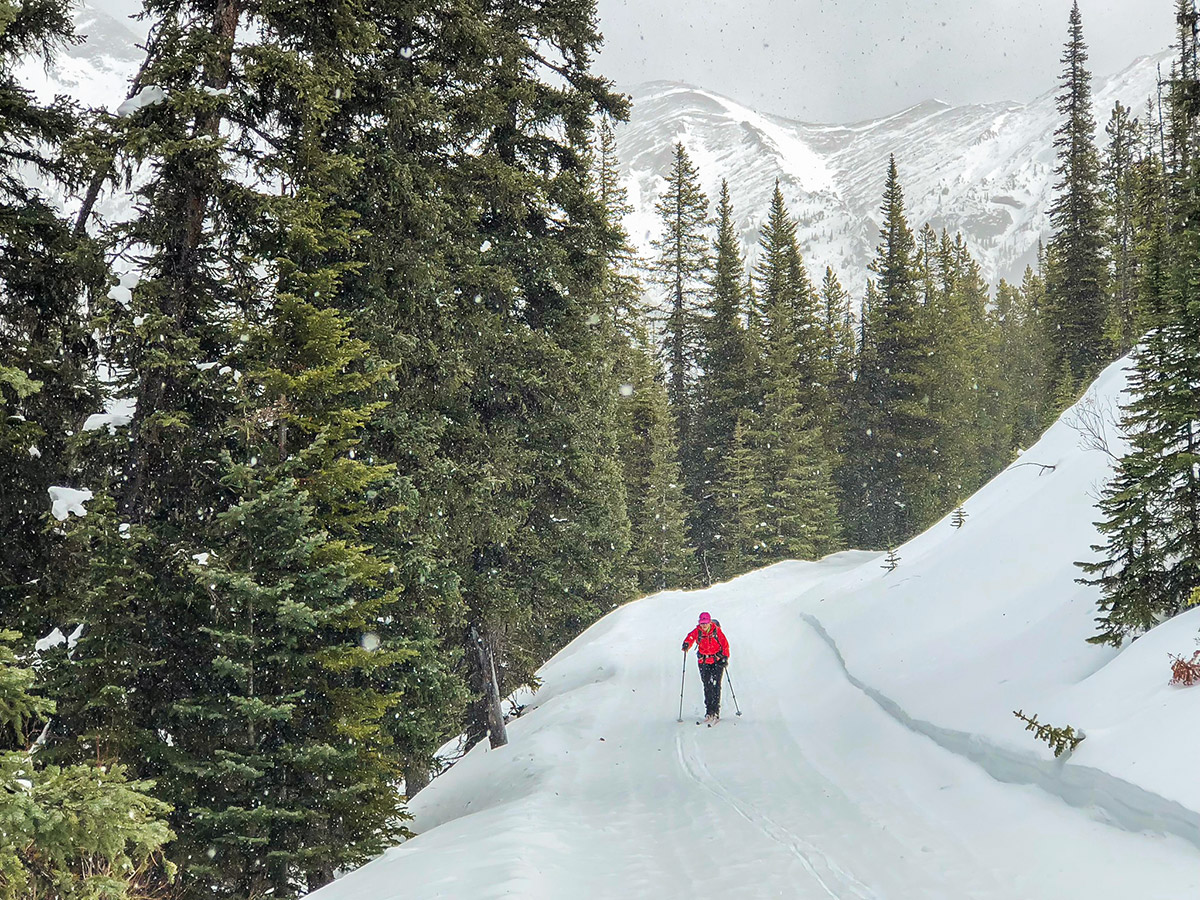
<point x="845" y="60"/>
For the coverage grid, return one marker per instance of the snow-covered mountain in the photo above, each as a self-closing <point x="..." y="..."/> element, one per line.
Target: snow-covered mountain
<point x="97" y="71"/>
<point x="985" y="170"/>
<point x="876" y="756"/>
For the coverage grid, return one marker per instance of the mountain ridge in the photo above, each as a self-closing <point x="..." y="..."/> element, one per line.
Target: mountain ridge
<point x="985" y="169"/>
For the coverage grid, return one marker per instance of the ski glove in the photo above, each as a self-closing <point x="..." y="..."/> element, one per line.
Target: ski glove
<point x="685" y="647"/>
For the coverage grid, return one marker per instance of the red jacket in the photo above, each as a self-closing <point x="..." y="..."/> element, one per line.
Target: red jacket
<point x="708" y="646"/>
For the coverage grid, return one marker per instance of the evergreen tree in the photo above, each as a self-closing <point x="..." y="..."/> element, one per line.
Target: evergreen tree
<point x="964" y="418"/>
<point x="1149" y="564"/>
<point x="69" y="831"/>
<point x="660" y="554"/>
<point x="232" y="603"/>
<point x="47" y="386"/>
<point x="1076" y="280"/>
<point x="1018" y="360"/>
<point x="623" y="289"/>
<point x="1120" y="193"/>
<point x="681" y="266"/>
<point x="534" y="426"/>
<point x="791" y="310"/>
<point x="896" y="491"/>
<point x="795" y="463"/>
<point x="741" y="497"/>
<point x="726" y="390"/>
<point x="840" y="345"/>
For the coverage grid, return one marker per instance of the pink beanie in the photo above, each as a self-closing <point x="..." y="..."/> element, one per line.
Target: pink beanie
<point x="705" y="618"/>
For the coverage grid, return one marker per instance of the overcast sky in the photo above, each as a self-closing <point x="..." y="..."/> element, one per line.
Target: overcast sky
<point x="844" y="60"/>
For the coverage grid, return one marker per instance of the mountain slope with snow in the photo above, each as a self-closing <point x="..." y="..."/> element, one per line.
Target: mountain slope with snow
<point x="986" y="171"/>
<point x="877" y="756"/>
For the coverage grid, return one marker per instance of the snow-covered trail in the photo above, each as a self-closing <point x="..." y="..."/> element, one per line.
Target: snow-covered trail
<point x="877" y="756"/>
<point x="814" y="792"/>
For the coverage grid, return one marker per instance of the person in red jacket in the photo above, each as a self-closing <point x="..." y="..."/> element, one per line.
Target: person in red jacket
<point x="712" y="652"/>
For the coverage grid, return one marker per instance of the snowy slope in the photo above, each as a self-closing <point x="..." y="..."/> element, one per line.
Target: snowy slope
<point x="984" y="170"/>
<point x="877" y="756"/>
<point x="96" y="71"/>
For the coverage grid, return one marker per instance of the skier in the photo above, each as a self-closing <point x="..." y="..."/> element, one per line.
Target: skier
<point x="712" y="652"/>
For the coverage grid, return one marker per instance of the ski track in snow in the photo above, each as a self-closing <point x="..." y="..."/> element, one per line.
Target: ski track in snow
<point x="814" y="861"/>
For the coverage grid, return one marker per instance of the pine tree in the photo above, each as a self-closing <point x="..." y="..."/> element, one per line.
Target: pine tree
<point x="896" y="493"/>
<point x="1076" y="280"/>
<point x="75" y="831"/>
<point x="726" y="390"/>
<point x="660" y="554"/>
<point x="47" y="386"/>
<point x="1120" y="194"/>
<point x="1149" y="565"/>
<point x="795" y="463"/>
<point x="681" y="266"/>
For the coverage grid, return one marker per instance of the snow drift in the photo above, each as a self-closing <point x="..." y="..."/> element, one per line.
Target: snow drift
<point x="877" y="755"/>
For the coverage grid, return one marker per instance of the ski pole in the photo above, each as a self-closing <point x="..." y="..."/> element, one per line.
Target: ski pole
<point x="682" y="679"/>
<point x="732" y="693"/>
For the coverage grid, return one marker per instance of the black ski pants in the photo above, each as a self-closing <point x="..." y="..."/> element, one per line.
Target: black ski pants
<point x="710" y="677"/>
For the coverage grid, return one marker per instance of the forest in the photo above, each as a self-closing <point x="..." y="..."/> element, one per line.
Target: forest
<point x="368" y="407"/>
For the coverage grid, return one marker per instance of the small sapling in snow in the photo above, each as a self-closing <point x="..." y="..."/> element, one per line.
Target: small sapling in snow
<point x="1061" y="740"/>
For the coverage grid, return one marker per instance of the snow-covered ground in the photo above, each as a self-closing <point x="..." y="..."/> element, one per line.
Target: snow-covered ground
<point x="877" y="755"/>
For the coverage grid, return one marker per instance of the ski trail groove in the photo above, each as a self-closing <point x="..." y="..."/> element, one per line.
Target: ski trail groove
<point x="1124" y="805"/>
<point x="800" y="848"/>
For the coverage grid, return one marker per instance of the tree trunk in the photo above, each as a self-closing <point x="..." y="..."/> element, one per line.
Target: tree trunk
<point x="493" y="712"/>
<point x="416" y="776"/>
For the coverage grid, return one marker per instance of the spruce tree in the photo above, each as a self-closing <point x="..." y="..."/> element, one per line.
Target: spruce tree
<point x="1120" y="194"/>
<point x="681" y="267"/>
<point x="896" y="483"/>
<point x="965" y="419"/>
<point x="726" y="391"/>
<point x="231" y="610"/>
<point x="47" y="385"/>
<point x="795" y="462"/>
<point x="85" y="830"/>
<point x="839" y="344"/>
<point x="1076" y="279"/>
<point x="660" y="554"/>
<point x="534" y="427"/>
<point x="742" y="498"/>
<point x="623" y="289"/>
<point x="1149" y="565"/>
